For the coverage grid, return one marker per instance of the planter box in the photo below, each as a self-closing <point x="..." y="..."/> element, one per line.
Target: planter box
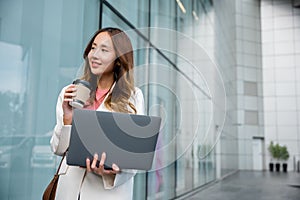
<point x="284" y="167"/>
<point x="277" y="166"/>
<point x="271" y="167"/>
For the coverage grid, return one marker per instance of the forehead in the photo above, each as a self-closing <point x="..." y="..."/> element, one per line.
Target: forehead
<point x="103" y="38"/>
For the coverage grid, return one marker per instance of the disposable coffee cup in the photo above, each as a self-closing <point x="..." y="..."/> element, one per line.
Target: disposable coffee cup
<point x="82" y="93"/>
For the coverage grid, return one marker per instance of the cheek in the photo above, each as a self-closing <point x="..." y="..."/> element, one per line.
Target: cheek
<point x="108" y="59"/>
<point x="89" y="56"/>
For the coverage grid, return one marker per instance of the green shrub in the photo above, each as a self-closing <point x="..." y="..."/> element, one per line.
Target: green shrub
<point x="284" y="154"/>
<point x="278" y="152"/>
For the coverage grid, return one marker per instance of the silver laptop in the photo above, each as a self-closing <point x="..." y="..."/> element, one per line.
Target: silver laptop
<point x="128" y="140"/>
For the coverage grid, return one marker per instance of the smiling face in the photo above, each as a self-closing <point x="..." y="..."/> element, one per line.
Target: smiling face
<point x="108" y="58"/>
<point x="102" y="55"/>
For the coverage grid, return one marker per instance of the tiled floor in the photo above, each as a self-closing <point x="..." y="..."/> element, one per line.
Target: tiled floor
<point x="252" y="185"/>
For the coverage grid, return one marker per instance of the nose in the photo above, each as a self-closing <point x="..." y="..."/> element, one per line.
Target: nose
<point x="96" y="53"/>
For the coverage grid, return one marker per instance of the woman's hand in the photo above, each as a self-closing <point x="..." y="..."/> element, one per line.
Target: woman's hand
<point x="70" y="93"/>
<point x="100" y="170"/>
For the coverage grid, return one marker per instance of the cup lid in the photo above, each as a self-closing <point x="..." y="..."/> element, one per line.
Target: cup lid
<point x="83" y="82"/>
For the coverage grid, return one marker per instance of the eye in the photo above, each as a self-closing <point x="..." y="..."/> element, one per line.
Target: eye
<point x="104" y="50"/>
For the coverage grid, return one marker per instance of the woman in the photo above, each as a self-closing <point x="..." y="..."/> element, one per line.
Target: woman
<point x="109" y="68"/>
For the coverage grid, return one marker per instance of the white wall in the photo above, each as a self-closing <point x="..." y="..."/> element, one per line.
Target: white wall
<point x="248" y="78"/>
<point x="281" y="75"/>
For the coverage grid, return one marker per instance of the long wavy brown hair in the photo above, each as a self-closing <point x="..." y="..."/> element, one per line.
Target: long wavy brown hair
<point x="118" y="98"/>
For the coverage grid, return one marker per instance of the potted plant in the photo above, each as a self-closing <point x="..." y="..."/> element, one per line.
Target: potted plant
<point x="277" y="156"/>
<point x="271" y="150"/>
<point x="284" y="155"/>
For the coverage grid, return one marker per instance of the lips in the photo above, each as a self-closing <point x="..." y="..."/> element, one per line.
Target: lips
<point x="95" y="64"/>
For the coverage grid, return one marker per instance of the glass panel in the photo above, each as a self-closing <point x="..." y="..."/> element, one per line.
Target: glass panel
<point x="163" y="14"/>
<point x="40" y="57"/>
<point x="41" y="45"/>
<point x="196" y="165"/>
<point x="110" y="19"/>
<point x="162" y="102"/>
<point x="140" y="69"/>
<point x="135" y="11"/>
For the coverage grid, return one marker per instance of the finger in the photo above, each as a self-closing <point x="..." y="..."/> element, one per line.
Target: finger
<point x="71" y="94"/>
<point x="88" y="165"/>
<point x="71" y="88"/>
<point x="93" y="166"/>
<point x="115" y="168"/>
<point x="103" y="158"/>
<point x="68" y="100"/>
<point x="109" y="172"/>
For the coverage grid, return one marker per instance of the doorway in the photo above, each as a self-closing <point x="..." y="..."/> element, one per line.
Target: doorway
<point x="257" y="153"/>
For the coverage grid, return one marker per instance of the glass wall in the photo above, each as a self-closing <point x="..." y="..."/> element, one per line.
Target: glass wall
<point x="41" y="46"/>
<point x="173" y="88"/>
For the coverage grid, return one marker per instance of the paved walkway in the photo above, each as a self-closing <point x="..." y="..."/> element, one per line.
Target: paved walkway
<point x="252" y="185"/>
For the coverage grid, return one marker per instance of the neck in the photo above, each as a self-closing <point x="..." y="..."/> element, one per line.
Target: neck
<point x="105" y="82"/>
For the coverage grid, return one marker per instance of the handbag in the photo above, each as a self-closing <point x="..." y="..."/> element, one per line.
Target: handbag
<point x="50" y="191"/>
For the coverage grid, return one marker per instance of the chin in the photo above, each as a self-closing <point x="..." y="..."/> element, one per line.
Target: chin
<point x="96" y="72"/>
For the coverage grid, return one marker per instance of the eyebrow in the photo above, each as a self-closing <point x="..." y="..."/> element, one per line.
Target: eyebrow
<point x="102" y="45"/>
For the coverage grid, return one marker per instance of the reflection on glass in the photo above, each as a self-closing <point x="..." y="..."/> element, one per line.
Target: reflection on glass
<point x="40" y="52"/>
<point x="135" y="11"/>
<point x="184" y="118"/>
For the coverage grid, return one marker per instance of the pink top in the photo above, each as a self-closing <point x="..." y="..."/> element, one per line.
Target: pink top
<point x="100" y="95"/>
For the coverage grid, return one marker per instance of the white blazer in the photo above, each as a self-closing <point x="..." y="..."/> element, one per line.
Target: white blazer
<point x="72" y="180"/>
